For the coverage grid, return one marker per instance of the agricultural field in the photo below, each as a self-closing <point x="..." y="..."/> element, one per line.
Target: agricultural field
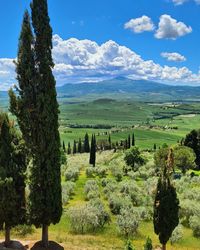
<point x="152" y="123"/>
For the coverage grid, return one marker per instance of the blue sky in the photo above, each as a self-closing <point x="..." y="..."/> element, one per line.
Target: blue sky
<point x="101" y="21"/>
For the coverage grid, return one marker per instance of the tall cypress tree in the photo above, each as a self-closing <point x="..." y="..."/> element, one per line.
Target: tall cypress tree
<point x="79" y="146"/>
<point x="12" y="178"/>
<point x="38" y="119"/>
<point x="109" y="142"/>
<point x="129" y="142"/>
<point x="86" y="144"/>
<point x="64" y="148"/>
<point x="69" y="149"/>
<point x="133" y="139"/>
<point x="74" y="148"/>
<point x="93" y="151"/>
<point x="166" y="206"/>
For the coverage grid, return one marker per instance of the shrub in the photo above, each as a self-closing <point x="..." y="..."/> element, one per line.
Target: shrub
<point x="72" y="174"/>
<point x="92" y="195"/>
<point x="148" y="245"/>
<point x="91" y="190"/>
<point x="130" y="188"/>
<point x="83" y="219"/>
<point x="104" y="182"/>
<point x="117" y="202"/>
<point x="177" y="234"/>
<point x="91" y="185"/>
<point x="129" y="246"/>
<point x="128" y="222"/>
<point x="90" y="172"/>
<point x="101" y="171"/>
<point x="67" y="191"/>
<point x="117" y="172"/>
<point x="102" y="214"/>
<point x="195" y="225"/>
<point x="192" y="194"/>
<point x="187" y="210"/>
<point x="145" y="213"/>
<point x="111" y="186"/>
<point x="88" y="218"/>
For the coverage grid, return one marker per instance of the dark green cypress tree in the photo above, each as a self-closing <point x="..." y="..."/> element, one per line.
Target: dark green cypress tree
<point x="69" y="149"/>
<point x="86" y="144"/>
<point x="79" y="146"/>
<point x="37" y="113"/>
<point x="64" y="148"/>
<point x="166" y="206"/>
<point x="129" y="142"/>
<point x="12" y="178"/>
<point x="192" y="140"/>
<point x="74" y="148"/>
<point x="126" y="144"/>
<point x="109" y="142"/>
<point x="93" y="151"/>
<point x="154" y="147"/>
<point x="133" y="140"/>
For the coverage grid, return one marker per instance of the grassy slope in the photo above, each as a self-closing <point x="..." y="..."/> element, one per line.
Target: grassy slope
<point x="109" y="237"/>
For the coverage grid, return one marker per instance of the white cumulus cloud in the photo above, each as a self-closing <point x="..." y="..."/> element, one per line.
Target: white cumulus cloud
<point x="139" y="25"/>
<point x="180" y="2"/>
<point x="173" y="56"/>
<point x="85" y="60"/>
<point x="170" y="28"/>
<point x="7" y="73"/>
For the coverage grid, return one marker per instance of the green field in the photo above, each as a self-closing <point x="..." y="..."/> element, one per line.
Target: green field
<point x="151" y="122"/>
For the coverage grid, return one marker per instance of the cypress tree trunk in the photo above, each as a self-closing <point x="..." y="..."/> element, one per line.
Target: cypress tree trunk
<point x="7" y="237"/>
<point x="164" y="247"/>
<point x="45" y="236"/>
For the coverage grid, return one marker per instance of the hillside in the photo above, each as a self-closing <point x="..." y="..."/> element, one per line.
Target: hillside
<point x="121" y="87"/>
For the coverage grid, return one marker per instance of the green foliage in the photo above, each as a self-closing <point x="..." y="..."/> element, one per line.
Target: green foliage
<point x="192" y="140"/>
<point x="86" y="145"/>
<point x="188" y="209"/>
<point x="117" y="202"/>
<point x="101" y="171"/>
<point x="129" y="246"/>
<point x="92" y="159"/>
<point x="160" y="158"/>
<point x="79" y="146"/>
<point x="8" y="204"/>
<point x="91" y="190"/>
<point x="36" y="109"/>
<point x="148" y="245"/>
<point x="128" y="221"/>
<point x="67" y="191"/>
<point x="195" y="225"/>
<point x="12" y="175"/>
<point x="72" y="174"/>
<point x="133" y="158"/>
<point x="131" y="189"/>
<point x="90" y="172"/>
<point x="166" y="209"/>
<point x="63" y="157"/>
<point x="88" y="218"/>
<point x="177" y="235"/>
<point x="184" y="158"/>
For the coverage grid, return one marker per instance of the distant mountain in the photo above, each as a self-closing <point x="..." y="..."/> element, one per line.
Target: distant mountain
<point x="124" y="87"/>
